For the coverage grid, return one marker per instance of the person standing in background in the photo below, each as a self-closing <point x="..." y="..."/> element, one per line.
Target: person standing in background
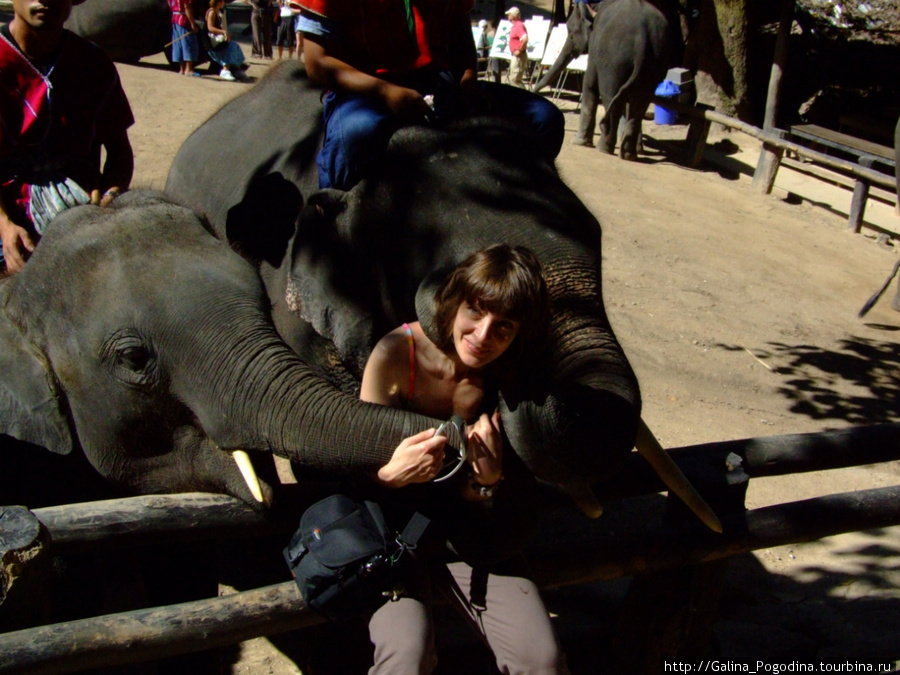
<point x="185" y="45"/>
<point x="286" y="27"/>
<point x="261" y="23"/>
<point x="518" y="47"/>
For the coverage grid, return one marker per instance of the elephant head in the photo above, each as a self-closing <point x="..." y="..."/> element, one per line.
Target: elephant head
<point x="135" y="336"/>
<point x="365" y="261"/>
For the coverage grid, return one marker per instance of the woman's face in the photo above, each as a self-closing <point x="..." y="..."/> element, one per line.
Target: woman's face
<point x="481" y="337"/>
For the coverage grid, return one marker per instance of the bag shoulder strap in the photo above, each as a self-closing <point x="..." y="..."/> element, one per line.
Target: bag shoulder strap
<point x="414" y="530"/>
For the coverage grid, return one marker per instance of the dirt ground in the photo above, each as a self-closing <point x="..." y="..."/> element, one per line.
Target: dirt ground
<point x="738" y="313"/>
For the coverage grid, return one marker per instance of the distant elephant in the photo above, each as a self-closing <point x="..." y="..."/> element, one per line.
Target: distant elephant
<point x="364" y="261"/>
<point x="127" y="30"/>
<point x="578" y="33"/>
<point x="137" y="338"/>
<point x="632" y="45"/>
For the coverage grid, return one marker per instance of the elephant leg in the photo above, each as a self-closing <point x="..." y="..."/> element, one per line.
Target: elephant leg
<point x="587" y="119"/>
<point x="609" y="125"/>
<point x="631" y="136"/>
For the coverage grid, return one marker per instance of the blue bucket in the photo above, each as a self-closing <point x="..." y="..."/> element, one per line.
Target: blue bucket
<point x="661" y="115"/>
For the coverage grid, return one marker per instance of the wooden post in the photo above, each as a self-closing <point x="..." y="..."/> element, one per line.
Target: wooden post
<point x="24" y="593"/>
<point x="143" y="635"/>
<point x="860" y="196"/>
<point x="698" y="132"/>
<point x="770" y="158"/>
<point x="668" y="615"/>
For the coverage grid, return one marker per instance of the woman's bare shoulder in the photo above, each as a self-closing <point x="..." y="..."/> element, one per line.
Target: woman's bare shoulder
<point x="387" y="368"/>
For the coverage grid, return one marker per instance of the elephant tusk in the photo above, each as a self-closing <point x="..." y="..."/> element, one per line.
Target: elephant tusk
<point x="584" y="498"/>
<point x="672" y="476"/>
<point x="242" y="459"/>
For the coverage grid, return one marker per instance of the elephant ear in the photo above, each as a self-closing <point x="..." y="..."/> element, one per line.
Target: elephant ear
<point x="329" y="283"/>
<point x="29" y="406"/>
<point x="425" y="302"/>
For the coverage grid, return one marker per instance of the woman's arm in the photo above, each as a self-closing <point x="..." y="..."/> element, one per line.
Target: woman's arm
<point x="387" y="365"/>
<point x="418" y="458"/>
<point x="211" y="22"/>
<point x="485" y="454"/>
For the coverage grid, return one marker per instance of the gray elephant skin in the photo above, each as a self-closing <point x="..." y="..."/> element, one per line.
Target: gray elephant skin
<point x="137" y="340"/>
<point x="129" y="29"/>
<point x="342" y="269"/>
<point x="632" y="45"/>
<point x="126" y="29"/>
<point x="578" y="33"/>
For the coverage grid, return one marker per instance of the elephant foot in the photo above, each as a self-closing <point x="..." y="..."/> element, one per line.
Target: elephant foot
<point x="583" y="142"/>
<point x="605" y="149"/>
<point x="630" y="156"/>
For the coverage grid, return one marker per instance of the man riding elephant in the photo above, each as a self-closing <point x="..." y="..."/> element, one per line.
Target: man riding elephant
<point x="389" y="64"/>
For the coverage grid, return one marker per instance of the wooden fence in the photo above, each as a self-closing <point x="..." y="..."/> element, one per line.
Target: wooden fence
<point x="659" y="556"/>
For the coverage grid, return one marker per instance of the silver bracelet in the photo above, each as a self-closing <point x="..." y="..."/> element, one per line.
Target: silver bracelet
<point x="484" y="491"/>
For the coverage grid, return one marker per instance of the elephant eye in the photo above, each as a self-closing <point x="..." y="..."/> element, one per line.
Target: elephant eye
<point x="130" y="356"/>
<point x="134" y="358"/>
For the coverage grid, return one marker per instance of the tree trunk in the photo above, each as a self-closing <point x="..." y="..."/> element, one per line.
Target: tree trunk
<point x="718" y="52"/>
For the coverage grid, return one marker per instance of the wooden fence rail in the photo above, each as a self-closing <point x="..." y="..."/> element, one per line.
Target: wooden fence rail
<point x="133" y="637"/>
<point x="777" y="141"/>
<point x="557" y="559"/>
<point x="152" y="518"/>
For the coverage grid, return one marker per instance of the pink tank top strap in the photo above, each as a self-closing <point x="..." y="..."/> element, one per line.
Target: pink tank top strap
<point x="412" y="362"/>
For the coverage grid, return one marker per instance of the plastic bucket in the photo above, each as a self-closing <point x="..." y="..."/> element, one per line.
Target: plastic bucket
<point x="661" y="115"/>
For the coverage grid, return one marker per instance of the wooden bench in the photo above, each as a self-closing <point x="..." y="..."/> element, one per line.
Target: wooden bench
<point x="844" y="146"/>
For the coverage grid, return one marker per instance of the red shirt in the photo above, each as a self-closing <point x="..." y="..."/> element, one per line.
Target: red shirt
<point x="515" y="36"/>
<point x="374" y="35"/>
<point x="56" y="124"/>
<point x="178" y="15"/>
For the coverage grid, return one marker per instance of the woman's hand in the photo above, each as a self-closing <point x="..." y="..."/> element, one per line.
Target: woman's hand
<point x="416" y="460"/>
<point x="486" y="449"/>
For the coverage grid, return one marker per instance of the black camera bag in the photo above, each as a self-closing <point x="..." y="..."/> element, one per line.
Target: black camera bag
<point x="346" y="560"/>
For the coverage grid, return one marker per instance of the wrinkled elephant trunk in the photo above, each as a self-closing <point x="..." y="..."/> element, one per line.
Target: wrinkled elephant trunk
<point x="283" y="406"/>
<point x="588" y="396"/>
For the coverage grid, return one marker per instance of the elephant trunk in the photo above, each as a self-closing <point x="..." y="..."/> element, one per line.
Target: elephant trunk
<point x="587" y="404"/>
<point x="566" y="56"/>
<point x="277" y="403"/>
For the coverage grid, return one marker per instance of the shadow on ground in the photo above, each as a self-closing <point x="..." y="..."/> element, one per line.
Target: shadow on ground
<point x="858" y="382"/>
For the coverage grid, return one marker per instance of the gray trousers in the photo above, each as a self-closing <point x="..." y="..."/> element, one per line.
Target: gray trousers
<point x="506" y="611"/>
<point x="261" y="24"/>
